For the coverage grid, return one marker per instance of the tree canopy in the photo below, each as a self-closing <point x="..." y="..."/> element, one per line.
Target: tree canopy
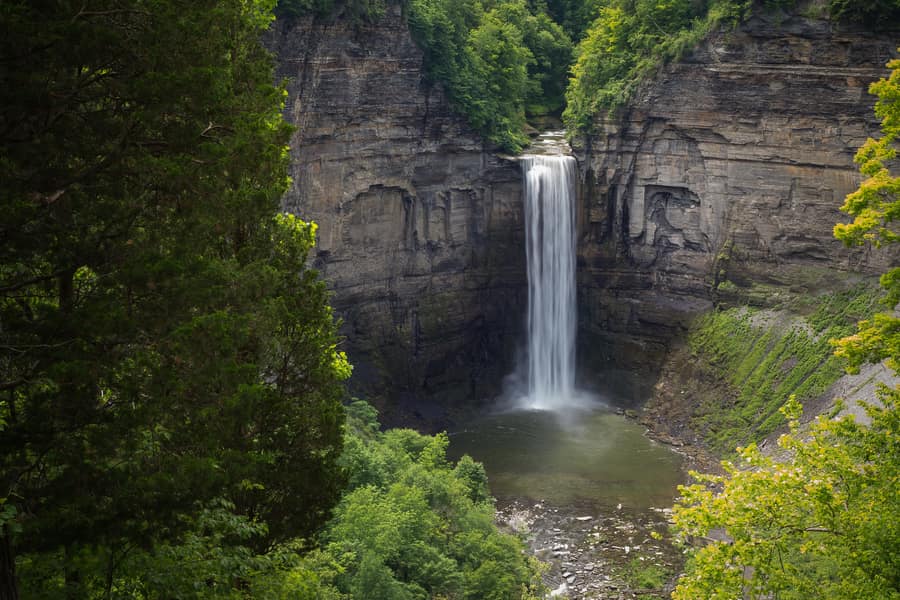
<point x="496" y="60"/>
<point x="165" y="349"/>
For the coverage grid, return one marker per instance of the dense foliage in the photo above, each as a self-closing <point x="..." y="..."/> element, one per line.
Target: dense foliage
<point x="167" y="358"/>
<point x="413" y="525"/>
<point x="822" y="523"/>
<point x="495" y="59"/>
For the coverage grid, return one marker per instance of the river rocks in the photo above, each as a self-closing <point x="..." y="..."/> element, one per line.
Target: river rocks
<point x="421" y="235"/>
<point x="722" y="181"/>
<point x="594" y="558"/>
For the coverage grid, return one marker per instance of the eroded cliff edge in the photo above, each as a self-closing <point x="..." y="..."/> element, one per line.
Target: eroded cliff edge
<point x="421" y="235"/>
<point x="722" y="181"/>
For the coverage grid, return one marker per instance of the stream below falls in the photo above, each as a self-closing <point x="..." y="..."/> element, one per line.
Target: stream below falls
<point x="585" y="488"/>
<point x="583" y="485"/>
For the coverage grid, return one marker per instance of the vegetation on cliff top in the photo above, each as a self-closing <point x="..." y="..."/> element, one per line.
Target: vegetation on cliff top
<point x="631" y="39"/>
<point x="823" y="522"/>
<point x="501" y="60"/>
<point x="496" y="60"/>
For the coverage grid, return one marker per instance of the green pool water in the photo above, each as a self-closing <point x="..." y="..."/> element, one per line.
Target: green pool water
<point x="584" y="458"/>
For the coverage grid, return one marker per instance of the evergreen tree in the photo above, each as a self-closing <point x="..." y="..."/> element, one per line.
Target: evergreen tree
<point x="163" y="343"/>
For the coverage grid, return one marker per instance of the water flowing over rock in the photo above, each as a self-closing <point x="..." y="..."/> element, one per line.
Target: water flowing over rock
<point x="550" y="251"/>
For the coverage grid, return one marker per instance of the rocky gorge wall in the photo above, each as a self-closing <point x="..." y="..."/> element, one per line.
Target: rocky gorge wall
<point x="421" y="235"/>
<point x="721" y="182"/>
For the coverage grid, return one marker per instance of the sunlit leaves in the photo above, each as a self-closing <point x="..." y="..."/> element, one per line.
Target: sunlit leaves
<point x="818" y="525"/>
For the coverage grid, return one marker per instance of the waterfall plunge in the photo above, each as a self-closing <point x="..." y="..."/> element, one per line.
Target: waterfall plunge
<point x="550" y="249"/>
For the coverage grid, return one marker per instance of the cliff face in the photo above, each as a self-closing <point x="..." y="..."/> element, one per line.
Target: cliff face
<point x="420" y="226"/>
<point x="723" y="180"/>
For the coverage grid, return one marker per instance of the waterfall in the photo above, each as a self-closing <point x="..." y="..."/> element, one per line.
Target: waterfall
<point x="550" y="249"/>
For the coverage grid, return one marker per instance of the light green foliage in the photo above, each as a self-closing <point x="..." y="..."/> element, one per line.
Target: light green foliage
<point x="644" y="575"/>
<point x="413" y="525"/>
<point x="163" y="343"/>
<point x="822" y="525"/>
<point x="875" y="208"/>
<point x="627" y="42"/>
<point x="764" y="363"/>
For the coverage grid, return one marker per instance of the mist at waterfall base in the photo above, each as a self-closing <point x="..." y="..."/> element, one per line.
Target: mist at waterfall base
<point x="546" y="440"/>
<point x="545" y="376"/>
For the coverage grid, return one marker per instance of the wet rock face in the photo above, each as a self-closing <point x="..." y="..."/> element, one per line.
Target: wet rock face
<point x="730" y="166"/>
<point x="421" y="233"/>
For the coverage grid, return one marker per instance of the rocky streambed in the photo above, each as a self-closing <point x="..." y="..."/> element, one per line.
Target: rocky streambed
<point x="609" y="555"/>
<point x="590" y="493"/>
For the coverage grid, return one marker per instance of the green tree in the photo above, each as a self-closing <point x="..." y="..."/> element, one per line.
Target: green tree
<point x="496" y="81"/>
<point x="495" y="59"/>
<point x="163" y="343"/>
<point x="875" y="208"/>
<point x="822" y="523"/>
<point x="413" y="525"/>
<point x="626" y="43"/>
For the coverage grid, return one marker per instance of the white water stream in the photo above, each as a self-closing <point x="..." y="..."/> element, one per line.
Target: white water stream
<point x="550" y="248"/>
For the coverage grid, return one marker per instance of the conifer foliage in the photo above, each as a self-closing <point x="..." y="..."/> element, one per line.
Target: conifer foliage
<point x="163" y="347"/>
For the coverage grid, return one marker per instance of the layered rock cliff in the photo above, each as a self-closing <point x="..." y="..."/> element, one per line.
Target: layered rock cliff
<point x="722" y="181"/>
<point x="420" y="226"/>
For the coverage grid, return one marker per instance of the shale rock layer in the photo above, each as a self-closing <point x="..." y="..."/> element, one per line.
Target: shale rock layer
<point x="420" y="226"/>
<point x="722" y="181"/>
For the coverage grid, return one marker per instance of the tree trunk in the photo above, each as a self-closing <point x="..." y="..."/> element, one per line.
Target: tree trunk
<point x="8" y="588"/>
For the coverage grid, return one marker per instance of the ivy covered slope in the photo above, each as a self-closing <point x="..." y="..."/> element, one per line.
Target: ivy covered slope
<point x="631" y="39"/>
<point x="761" y="357"/>
<point x="822" y="522"/>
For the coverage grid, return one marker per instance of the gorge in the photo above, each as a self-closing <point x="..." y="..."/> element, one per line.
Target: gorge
<point x="719" y="183"/>
<point x="297" y="301"/>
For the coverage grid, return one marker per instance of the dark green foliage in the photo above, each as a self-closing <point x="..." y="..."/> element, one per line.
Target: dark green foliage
<point x="882" y="14"/>
<point x="356" y="11"/>
<point x="163" y="343"/>
<point x="495" y="60"/>
<point x="575" y="16"/>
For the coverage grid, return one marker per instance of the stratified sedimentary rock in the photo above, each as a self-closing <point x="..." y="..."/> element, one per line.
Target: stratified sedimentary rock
<point x="723" y="179"/>
<point x="421" y="233"/>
